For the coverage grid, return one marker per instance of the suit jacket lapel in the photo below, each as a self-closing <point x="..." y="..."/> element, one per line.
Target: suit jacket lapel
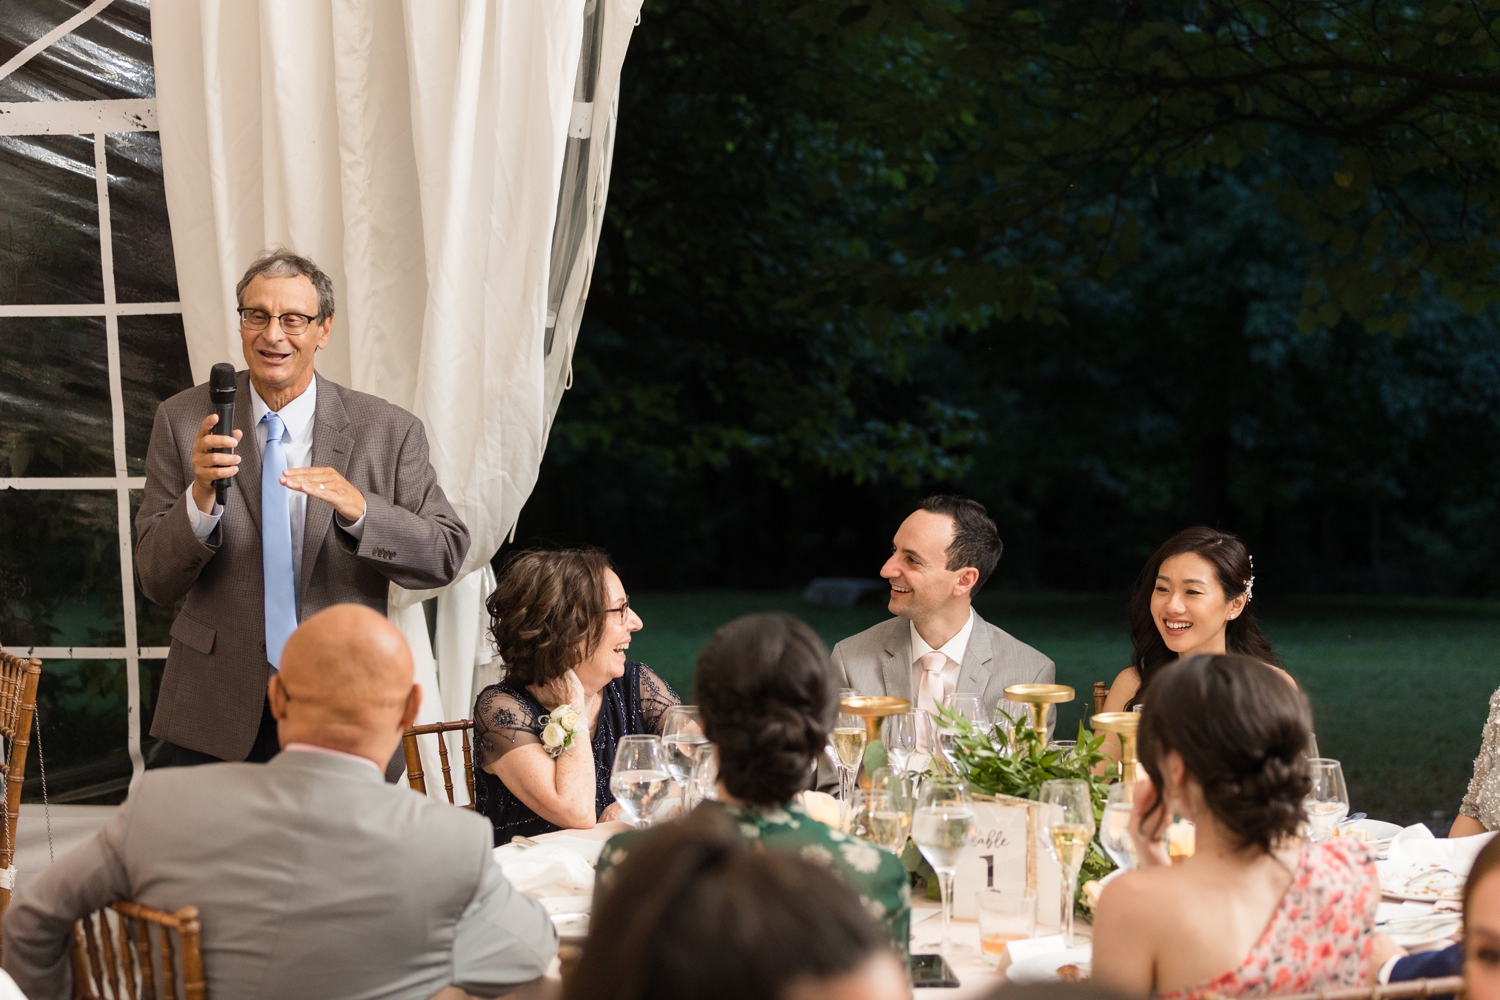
<point x="246" y="486"/>
<point x="974" y="673"/>
<point x="330" y="448"/>
<point x="895" y="664"/>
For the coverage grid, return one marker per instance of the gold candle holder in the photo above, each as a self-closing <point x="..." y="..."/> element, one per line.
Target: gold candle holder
<point x="1124" y="725"/>
<point x="1039" y="698"/>
<point x="873" y="708"/>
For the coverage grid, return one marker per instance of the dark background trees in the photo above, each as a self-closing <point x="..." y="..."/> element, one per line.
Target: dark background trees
<point x="1111" y="269"/>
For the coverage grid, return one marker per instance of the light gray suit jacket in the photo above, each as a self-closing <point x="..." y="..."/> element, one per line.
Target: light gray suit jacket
<point x="215" y="683"/>
<point x="878" y="661"/>
<point x="315" y="880"/>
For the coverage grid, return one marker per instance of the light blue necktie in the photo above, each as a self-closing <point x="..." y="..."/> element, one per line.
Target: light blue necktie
<point x="276" y="542"/>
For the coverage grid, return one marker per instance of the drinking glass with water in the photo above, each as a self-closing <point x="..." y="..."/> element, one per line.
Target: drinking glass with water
<point x="640" y="779"/>
<point x="682" y="737"/>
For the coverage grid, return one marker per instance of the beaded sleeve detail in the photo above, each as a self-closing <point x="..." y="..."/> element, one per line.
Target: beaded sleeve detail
<point x="504" y="719"/>
<point x="656" y="697"/>
<point x="1482" y="802"/>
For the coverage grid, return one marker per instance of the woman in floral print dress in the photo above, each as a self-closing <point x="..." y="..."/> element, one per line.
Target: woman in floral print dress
<point x="1255" y="910"/>
<point x="769" y="696"/>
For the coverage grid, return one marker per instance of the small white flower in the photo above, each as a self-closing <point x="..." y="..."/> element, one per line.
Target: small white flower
<point x="873" y="908"/>
<point x="778" y="816"/>
<point x="905" y="893"/>
<point x="861" y="857"/>
<point x="837" y="835"/>
<point x="554" y="736"/>
<point x="616" y="856"/>
<point x="749" y="831"/>
<point x="821" y="855"/>
<point x="565" y="716"/>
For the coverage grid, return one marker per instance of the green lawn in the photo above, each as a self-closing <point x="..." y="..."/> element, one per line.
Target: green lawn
<point x="1399" y="686"/>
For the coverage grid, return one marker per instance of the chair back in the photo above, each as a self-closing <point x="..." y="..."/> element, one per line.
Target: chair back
<point x="1101" y="692"/>
<point x="18" y="683"/>
<point x="1448" y="985"/>
<point x="116" y="954"/>
<point x="414" y="775"/>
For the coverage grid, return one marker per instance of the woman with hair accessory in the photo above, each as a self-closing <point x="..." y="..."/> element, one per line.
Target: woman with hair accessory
<point x="546" y="734"/>
<point x="1255" y="909"/>
<point x="696" y="914"/>
<point x="1193" y="597"/>
<point x="768" y="696"/>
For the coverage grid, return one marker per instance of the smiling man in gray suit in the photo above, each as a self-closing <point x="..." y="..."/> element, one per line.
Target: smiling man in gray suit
<point x="313" y="878"/>
<point x="938" y="644"/>
<point x="333" y="499"/>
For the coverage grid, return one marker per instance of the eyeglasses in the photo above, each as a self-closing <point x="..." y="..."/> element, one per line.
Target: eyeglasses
<point x="623" y="611"/>
<point x="292" y="323"/>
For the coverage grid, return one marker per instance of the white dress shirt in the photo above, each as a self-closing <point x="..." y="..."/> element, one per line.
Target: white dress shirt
<point x="953" y="649"/>
<point x="297" y="418"/>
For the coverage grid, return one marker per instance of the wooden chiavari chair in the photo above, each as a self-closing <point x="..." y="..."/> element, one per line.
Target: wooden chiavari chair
<point x="1390" y="991"/>
<point x="18" y="683"/>
<point x="1101" y="692"/>
<point x="414" y="775"/>
<point x="119" y="957"/>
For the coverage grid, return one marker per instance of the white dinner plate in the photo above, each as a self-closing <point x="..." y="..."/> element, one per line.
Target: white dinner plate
<point x="557" y="905"/>
<point x="1422" y="881"/>
<point x="1043" y="968"/>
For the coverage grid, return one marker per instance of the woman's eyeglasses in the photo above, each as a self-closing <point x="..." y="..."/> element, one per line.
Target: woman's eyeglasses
<point x="623" y="611"/>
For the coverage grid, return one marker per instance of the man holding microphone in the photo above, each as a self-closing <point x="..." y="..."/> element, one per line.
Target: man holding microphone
<point x="332" y="498"/>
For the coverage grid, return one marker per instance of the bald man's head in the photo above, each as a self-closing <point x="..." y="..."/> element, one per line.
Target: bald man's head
<point x="345" y="683"/>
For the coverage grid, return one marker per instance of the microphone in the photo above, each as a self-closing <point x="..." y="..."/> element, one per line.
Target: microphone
<point x="221" y="391"/>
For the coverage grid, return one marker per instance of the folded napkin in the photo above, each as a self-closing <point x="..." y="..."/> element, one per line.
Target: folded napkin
<point x="1416" y="843"/>
<point x="547" y="870"/>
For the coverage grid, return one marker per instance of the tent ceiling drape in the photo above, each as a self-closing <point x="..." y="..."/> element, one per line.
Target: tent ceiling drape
<point x="446" y="162"/>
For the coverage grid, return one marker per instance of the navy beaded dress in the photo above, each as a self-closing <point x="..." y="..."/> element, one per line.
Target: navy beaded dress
<point x="507" y="717"/>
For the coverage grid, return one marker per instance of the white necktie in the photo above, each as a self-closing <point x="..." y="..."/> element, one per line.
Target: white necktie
<point x="930" y="688"/>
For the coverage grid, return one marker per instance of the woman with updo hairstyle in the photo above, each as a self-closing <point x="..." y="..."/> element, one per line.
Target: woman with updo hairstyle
<point x="1193" y="597"/>
<point x="562" y="623"/>
<point x="1255" y="909"/>
<point x="768" y="697"/>
<point x="696" y="914"/>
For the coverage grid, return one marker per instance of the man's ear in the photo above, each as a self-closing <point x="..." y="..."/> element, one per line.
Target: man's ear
<point x="276" y="695"/>
<point x="967" y="578"/>
<point x="413" y="704"/>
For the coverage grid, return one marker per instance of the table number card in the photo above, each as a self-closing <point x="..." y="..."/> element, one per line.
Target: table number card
<point x="1004" y="853"/>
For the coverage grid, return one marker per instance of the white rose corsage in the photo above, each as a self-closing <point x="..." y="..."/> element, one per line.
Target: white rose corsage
<point x="560" y="730"/>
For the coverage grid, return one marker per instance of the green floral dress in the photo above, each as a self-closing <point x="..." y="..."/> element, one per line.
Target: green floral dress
<point x="878" y="876"/>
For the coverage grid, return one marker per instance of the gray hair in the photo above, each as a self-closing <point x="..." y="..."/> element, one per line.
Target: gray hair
<point x="279" y="262"/>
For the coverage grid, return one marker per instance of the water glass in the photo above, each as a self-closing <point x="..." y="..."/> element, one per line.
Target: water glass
<point x="1067" y="828"/>
<point x="942" y="827"/>
<point x="966" y="705"/>
<point x="1005" y="915"/>
<point x="1004" y="718"/>
<point x="1328" y="803"/>
<point x="1114" y="829"/>
<point x="682" y="736"/>
<point x="899" y="734"/>
<point x="900" y="790"/>
<point x="640" y="779"/>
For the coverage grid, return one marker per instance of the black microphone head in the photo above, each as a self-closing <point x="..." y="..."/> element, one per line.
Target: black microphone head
<point x="221" y="382"/>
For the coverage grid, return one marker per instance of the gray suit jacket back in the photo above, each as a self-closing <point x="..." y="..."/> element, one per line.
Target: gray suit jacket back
<point x="878" y="661"/>
<point x="314" y="879"/>
<point x="215" y="682"/>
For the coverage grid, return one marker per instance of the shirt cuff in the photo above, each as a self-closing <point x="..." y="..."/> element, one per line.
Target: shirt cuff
<point x="357" y="529"/>
<point x="203" y="524"/>
<point x="1384" y="975"/>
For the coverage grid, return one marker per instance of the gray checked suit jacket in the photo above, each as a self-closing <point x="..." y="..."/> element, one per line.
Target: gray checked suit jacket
<point x="314" y="880"/>
<point x="878" y="661"/>
<point x="215" y="682"/>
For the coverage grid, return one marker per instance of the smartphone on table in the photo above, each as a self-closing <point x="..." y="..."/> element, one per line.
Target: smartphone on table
<point x="932" y="970"/>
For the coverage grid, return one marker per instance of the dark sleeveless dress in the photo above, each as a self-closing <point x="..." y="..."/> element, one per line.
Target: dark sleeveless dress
<point x="506" y="717"/>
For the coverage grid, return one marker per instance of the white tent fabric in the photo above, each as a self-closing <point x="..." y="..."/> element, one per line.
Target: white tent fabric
<point x="446" y="163"/>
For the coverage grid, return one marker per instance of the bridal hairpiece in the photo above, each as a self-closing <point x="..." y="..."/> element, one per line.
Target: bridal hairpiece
<point x="1250" y="583"/>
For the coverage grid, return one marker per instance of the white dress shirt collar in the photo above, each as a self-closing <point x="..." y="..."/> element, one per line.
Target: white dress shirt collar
<point x="330" y="752"/>
<point x="954" y="648"/>
<point x="296" y="416"/>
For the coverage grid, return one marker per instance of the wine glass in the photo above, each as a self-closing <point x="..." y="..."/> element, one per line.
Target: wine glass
<point x="1328" y="802"/>
<point x="1003" y="720"/>
<point x="942" y="827"/>
<point x="640" y="779"/>
<point x="903" y="788"/>
<point x="849" y="736"/>
<point x="1068" y="827"/>
<point x="682" y="736"/>
<point x="884" y="820"/>
<point x="1114" y="829"/>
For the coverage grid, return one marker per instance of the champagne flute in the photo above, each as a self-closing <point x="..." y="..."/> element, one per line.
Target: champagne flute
<point x="884" y="821"/>
<point x="640" y="779"/>
<point x="1114" y="830"/>
<point x="849" y="736"/>
<point x="682" y="736"/>
<point x="902" y="787"/>
<point x="942" y="828"/>
<point x="899" y="734"/>
<point x="1068" y="826"/>
<point x="1328" y="802"/>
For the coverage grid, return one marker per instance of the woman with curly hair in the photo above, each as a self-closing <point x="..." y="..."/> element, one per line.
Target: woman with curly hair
<point x="768" y="697"/>
<point x="562" y="624"/>
<point x="1255" y="910"/>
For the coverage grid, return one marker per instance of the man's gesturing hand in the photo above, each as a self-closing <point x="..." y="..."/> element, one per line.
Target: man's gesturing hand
<point x="326" y="484"/>
<point x="210" y="466"/>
